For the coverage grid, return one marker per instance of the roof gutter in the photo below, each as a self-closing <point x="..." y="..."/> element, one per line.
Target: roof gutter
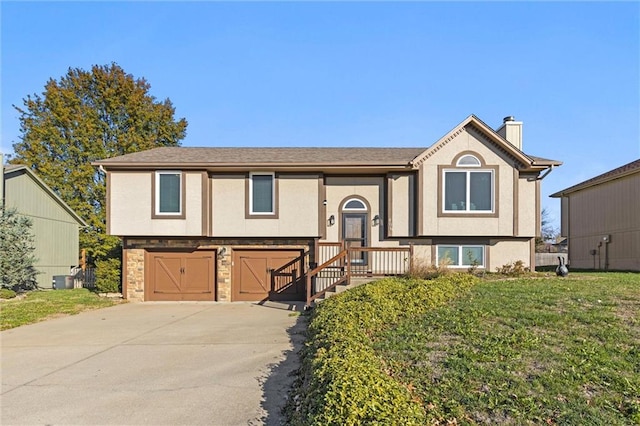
<point x="247" y="166"/>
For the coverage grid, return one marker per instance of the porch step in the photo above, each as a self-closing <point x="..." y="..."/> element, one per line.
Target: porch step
<point x="355" y="282"/>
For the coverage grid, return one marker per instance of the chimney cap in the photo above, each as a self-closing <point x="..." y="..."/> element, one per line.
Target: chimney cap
<point x="508" y="118"/>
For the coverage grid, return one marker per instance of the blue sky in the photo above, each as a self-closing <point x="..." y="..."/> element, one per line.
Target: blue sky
<point x="355" y="73"/>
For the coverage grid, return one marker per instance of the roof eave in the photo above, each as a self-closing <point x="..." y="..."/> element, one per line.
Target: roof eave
<point x="221" y="166"/>
<point x="585" y="185"/>
<point x="523" y="158"/>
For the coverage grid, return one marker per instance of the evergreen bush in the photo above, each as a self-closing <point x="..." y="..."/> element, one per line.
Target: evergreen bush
<point x="17" y="246"/>
<point x="108" y="275"/>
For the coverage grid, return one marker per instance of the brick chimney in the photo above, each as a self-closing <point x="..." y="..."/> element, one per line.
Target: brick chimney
<point x="511" y="130"/>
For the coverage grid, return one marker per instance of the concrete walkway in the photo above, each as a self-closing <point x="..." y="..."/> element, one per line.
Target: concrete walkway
<point x="153" y="364"/>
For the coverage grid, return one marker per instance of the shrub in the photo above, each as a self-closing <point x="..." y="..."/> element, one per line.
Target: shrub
<point x="514" y="269"/>
<point x="17" y="246"/>
<point x="108" y="275"/>
<point x="421" y="270"/>
<point x="342" y="379"/>
<point x="6" y="293"/>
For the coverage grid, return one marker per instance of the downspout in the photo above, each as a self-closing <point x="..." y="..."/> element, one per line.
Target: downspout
<point x="549" y="170"/>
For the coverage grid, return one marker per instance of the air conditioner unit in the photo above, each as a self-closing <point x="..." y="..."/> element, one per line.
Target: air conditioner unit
<point x="62" y="282"/>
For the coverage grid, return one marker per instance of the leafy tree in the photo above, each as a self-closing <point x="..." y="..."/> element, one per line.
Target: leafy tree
<point x="86" y="116"/>
<point x="547" y="231"/>
<point x="17" y="245"/>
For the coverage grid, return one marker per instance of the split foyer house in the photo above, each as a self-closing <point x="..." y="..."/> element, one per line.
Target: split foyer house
<point x="233" y="224"/>
<point x="601" y="220"/>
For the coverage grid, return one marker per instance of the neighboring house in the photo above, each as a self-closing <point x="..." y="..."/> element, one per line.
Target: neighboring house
<point x="561" y="245"/>
<point x="601" y="219"/>
<point x="54" y="224"/>
<point x="232" y="224"/>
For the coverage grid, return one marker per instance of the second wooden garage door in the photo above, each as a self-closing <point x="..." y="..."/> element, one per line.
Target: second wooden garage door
<point x="267" y="274"/>
<point x="180" y="276"/>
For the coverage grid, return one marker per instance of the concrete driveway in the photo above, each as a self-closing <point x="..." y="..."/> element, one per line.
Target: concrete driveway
<point x="153" y="364"/>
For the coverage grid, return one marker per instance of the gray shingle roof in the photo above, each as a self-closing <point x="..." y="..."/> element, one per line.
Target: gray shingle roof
<point x="242" y="156"/>
<point x="11" y="167"/>
<point x="544" y="161"/>
<point x="629" y="168"/>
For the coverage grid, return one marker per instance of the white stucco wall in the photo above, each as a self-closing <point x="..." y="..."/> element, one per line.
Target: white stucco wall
<point x="130" y="209"/>
<point x="401" y="207"/>
<point x="297" y="208"/>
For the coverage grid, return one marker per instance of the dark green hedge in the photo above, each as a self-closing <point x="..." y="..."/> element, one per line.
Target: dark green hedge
<point x="108" y="275"/>
<point x="342" y="380"/>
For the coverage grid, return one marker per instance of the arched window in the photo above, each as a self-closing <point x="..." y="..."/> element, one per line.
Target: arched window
<point x="354" y="204"/>
<point x="468" y="161"/>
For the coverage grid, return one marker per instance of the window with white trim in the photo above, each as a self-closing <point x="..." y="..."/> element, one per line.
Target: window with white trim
<point x="468" y="191"/>
<point x="168" y="196"/>
<point x="461" y="255"/>
<point x="262" y="193"/>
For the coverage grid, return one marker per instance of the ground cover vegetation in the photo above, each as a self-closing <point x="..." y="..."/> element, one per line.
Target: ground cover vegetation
<point x="343" y="381"/>
<point x="38" y="306"/>
<point x="534" y="349"/>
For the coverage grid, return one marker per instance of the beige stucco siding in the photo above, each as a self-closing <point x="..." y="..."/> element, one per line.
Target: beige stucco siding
<point x="369" y="188"/>
<point x="131" y="206"/>
<point x="338" y="189"/>
<point x="607" y="209"/>
<point x="297" y="208"/>
<point x="422" y="254"/>
<point x="401" y="205"/>
<point x="497" y="253"/>
<point x="564" y="216"/>
<point x="431" y="182"/>
<point x="526" y="213"/>
<point x="502" y="252"/>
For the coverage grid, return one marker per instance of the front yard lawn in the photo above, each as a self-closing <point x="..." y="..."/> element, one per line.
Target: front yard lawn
<point x="531" y="350"/>
<point x="510" y="351"/>
<point x="41" y="305"/>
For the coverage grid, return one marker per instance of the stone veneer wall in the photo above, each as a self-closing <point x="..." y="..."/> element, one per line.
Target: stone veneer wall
<point x="223" y="278"/>
<point x="133" y="286"/>
<point x="134" y="259"/>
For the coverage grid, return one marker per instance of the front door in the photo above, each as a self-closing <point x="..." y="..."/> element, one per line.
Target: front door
<point x="354" y="234"/>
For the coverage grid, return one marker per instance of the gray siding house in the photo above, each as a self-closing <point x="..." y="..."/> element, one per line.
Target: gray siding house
<point x="601" y="219"/>
<point x="54" y="224"/>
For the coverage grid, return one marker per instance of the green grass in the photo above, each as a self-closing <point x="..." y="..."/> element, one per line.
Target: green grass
<point x="42" y="305"/>
<point x="525" y="351"/>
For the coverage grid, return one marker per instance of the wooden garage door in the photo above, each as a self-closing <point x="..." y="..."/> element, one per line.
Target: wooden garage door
<point x="180" y="276"/>
<point x="267" y="274"/>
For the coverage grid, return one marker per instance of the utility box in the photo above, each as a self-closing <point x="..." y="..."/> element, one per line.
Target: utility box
<point x="62" y="282"/>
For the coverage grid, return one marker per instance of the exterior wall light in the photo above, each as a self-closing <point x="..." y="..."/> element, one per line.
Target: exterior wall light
<point x="221" y="252"/>
<point x="376" y="220"/>
<point x="332" y="220"/>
